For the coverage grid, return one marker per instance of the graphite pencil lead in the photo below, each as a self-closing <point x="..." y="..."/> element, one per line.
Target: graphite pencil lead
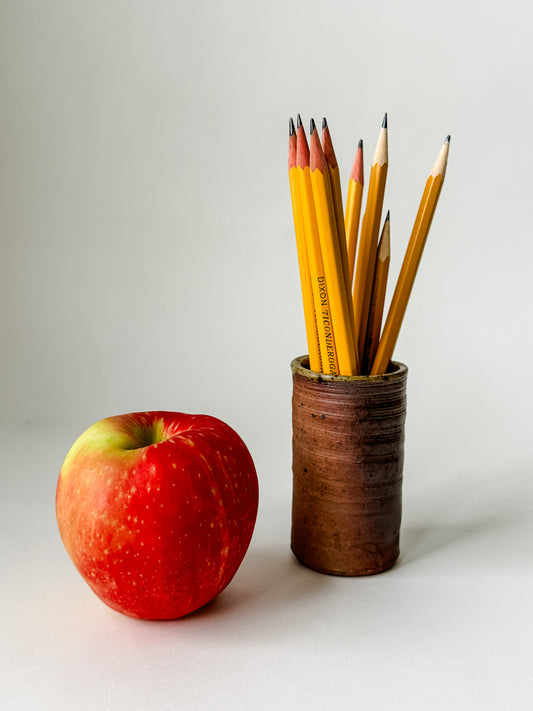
<point x="298" y="121"/>
<point x="312" y="128"/>
<point x="360" y="144"/>
<point x="324" y="122"/>
<point x="384" y="124"/>
<point x="387" y="218"/>
<point x="291" y="127"/>
<point x="447" y="139"/>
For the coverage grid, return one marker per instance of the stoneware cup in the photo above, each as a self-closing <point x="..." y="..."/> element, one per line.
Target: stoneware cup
<point x="348" y="443"/>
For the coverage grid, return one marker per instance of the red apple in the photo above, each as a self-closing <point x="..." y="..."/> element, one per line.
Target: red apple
<point x="157" y="509"/>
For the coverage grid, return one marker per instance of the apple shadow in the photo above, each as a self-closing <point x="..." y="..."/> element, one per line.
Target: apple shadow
<point x="272" y="582"/>
<point x="269" y="581"/>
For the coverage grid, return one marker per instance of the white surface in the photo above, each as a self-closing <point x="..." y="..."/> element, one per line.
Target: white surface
<point x="148" y="262"/>
<point x="449" y="627"/>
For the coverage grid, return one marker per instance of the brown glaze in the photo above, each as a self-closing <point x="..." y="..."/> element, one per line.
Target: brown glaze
<point x="348" y="436"/>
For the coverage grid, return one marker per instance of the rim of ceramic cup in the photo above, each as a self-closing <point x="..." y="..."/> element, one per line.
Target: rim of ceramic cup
<point x="300" y="365"/>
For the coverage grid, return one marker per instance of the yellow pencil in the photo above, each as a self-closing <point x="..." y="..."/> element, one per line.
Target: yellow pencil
<point x="354" y="199"/>
<point x="377" y="300"/>
<point x="333" y="268"/>
<point x="334" y="174"/>
<point x="411" y="261"/>
<point x="315" y="361"/>
<point x="319" y="284"/>
<point x="366" y="257"/>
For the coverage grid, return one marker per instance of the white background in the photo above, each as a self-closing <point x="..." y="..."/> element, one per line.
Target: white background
<point x="148" y="261"/>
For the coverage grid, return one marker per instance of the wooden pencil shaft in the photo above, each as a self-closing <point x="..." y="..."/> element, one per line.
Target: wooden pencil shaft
<point x="326" y="339"/>
<point x="340" y="315"/>
<point x="318" y="279"/>
<point x="303" y="261"/>
<point x="339" y="222"/>
<point x="334" y="173"/>
<point x="377" y="299"/>
<point x="369" y="242"/>
<point x="336" y="191"/>
<point x="407" y="274"/>
<point x="353" y="215"/>
<point x="366" y="257"/>
<point x="354" y="200"/>
<point x="311" y="327"/>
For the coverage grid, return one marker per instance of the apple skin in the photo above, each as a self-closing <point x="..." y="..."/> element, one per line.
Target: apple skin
<point x="157" y="510"/>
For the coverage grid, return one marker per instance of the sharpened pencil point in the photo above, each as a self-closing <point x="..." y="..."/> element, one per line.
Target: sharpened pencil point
<point x="312" y="127"/>
<point x="384" y="124"/>
<point x="298" y="121"/>
<point x="447" y="139"/>
<point x="360" y="144"/>
<point x="291" y="127"/>
<point x="387" y="218"/>
<point x="324" y="122"/>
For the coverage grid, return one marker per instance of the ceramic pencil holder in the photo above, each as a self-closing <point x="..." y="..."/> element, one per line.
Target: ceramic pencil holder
<point x="348" y="445"/>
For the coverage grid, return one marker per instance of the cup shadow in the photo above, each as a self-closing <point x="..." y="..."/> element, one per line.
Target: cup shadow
<point x="419" y="542"/>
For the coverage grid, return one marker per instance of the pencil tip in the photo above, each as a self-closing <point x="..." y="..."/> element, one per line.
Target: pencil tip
<point x="324" y="123"/>
<point x="291" y="127"/>
<point x="387" y="218"/>
<point x="298" y="121"/>
<point x="312" y="126"/>
<point x="360" y="144"/>
<point x="447" y="139"/>
<point x="384" y="124"/>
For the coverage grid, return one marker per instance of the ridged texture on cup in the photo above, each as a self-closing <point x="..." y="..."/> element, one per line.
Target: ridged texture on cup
<point x="348" y="446"/>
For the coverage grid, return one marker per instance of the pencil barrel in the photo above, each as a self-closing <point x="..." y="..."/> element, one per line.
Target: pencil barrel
<point x="348" y="446"/>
